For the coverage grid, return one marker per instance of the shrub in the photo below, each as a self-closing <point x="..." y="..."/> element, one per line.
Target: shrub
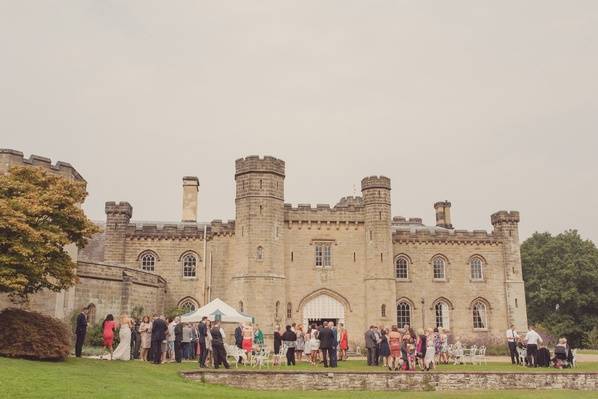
<point x="32" y="335"/>
<point x="94" y="336"/>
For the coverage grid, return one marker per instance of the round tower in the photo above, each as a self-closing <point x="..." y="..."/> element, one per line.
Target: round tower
<point x="259" y="251"/>
<point x="380" y="283"/>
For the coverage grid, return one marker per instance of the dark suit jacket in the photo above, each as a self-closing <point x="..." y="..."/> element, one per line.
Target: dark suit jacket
<point x="81" y="324"/>
<point x="203" y="332"/>
<point x="159" y="328"/>
<point x="216" y="336"/>
<point x="326" y="337"/>
<point x="370" y="339"/>
<point x="239" y="337"/>
<point x="334" y="338"/>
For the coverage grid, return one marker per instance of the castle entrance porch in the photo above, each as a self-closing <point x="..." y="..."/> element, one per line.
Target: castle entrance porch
<point x="323" y="308"/>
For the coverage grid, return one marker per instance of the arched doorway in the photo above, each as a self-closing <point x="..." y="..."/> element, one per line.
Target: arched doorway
<point x="323" y="308"/>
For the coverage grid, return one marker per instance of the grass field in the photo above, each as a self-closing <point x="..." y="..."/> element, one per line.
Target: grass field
<point x="86" y="378"/>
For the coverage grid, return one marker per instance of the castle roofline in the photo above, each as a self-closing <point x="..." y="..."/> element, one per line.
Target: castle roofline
<point x="37" y="160"/>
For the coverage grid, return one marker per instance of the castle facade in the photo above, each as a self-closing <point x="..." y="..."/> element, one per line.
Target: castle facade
<point x="351" y="262"/>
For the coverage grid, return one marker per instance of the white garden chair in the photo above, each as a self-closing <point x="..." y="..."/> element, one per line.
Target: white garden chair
<point x="457" y="354"/>
<point x="281" y="356"/>
<point x="480" y="356"/>
<point x="261" y="358"/>
<point x="469" y="354"/>
<point x="236" y="353"/>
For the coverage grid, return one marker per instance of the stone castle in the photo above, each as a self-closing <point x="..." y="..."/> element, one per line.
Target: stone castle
<point x="352" y="262"/>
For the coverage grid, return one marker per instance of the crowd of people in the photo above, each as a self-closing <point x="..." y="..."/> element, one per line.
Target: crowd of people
<point x="529" y="350"/>
<point x="404" y="349"/>
<point x="159" y="339"/>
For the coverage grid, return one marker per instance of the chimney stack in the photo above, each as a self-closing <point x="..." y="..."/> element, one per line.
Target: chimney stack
<point x="190" y="189"/>
<point x="443" y="214"/>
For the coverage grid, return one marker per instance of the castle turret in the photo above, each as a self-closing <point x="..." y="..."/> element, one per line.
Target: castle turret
<point x="443" y="214"/>
<point x="380" y="284"/>
<point x="117" y="219"/>
<point x="506" y="228"/>
<point x="259" y="256"/>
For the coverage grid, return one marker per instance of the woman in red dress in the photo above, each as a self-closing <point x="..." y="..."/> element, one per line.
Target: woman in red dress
<point x="108" y="327"/>
<point x="343" y="342"/>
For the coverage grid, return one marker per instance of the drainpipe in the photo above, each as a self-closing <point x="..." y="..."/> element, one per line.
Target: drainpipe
<point x="205" y="262"/>
<point x="423" y="314"/>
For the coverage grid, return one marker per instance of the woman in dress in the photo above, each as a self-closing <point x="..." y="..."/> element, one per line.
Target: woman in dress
<point x="247" y="343"/>
<point x="307" y="347"/>
<point x="300" y="345"/>
<point x="430" y="351"/>
<point x="437" y="345"/>
<point x="145" y="329"/>
<point x="108" y="327"/>
<point x="384" y="347"/>
<point x="123" y="350"/>
<point x="443" y="346"/>
<point x="258" y="337"/>
<point x="314" y="345"/>
<point x="343" y="342"/>
<point x="394" y="343"/>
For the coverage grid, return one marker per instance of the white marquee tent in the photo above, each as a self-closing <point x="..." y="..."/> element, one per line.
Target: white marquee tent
<point x="217" y="309"/>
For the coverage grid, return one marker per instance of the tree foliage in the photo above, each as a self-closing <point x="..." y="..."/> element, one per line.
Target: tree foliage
<point x="561" y="282"/>
<point x="39" y="215"/>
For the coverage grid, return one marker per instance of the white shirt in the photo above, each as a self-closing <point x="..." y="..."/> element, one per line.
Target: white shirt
<point x="222" y="333"/>
<point x="511" y="335"/>
<point x="532" y="338"/>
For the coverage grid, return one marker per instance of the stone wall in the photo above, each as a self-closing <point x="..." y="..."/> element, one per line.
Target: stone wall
<point x="383" y="381"/>
<point x="117" y="289"/>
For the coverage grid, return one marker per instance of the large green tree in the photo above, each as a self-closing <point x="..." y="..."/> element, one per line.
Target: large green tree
<point x="561" y="283"/>
<point x="40" y="214"/>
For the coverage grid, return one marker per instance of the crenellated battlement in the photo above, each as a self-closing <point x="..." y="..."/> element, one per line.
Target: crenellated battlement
<point x="401" y="220"/>
<point x="254" y="163"/>
<point x="179" y="231"/>
<point x="433" y="235"/>
<point x="10" y="158"/>
<point x="122" y="208"/>
<point x="504" y="217"/>
<point x="323" y="213"/>
<point x="375" y="182"/>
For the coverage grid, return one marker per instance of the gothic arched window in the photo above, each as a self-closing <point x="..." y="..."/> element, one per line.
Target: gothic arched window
<point x="403" y="313"/>
<point x="189" y="265"/>
<point x="441" y="311"/>
<point x="188" y="305"/>
<point x="439" y="268"/>
<point x="147" y="261"/>
<point x="476" y="266"/>
<point x="402" y="268"/>
<point x="259" y="253"/>
<point x="479" y="315"/>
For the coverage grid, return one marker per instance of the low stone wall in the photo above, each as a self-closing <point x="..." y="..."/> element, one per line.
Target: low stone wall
<point x="382" y="381"/>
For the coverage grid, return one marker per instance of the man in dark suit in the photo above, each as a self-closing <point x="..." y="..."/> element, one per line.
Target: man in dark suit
<point x="178" y="338"/>
<point x="333" y="352"/>
<point x="239" y="340"/>
<point x="326" y="337"/>
<point x="81" y="330"/>
<point x="202" y="334"/>
<point x="159" y="328"/>
<point x="218" y="346"/>
<point x="370" y="344"/>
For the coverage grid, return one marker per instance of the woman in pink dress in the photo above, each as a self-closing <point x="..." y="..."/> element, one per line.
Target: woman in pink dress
<point x="108" y="327"/>
<point x="343" y="342"/>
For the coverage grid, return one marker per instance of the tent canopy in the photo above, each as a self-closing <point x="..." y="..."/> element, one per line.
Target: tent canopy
<point x="216" y="308"/>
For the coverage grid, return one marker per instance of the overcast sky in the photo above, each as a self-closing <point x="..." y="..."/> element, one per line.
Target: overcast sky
<point x="491" y="105"/>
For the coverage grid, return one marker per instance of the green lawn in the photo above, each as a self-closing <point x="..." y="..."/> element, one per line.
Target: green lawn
<point x="85" y="378"/>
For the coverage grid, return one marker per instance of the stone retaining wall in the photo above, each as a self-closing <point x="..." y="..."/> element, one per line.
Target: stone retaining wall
<point x="381" y="381"/>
